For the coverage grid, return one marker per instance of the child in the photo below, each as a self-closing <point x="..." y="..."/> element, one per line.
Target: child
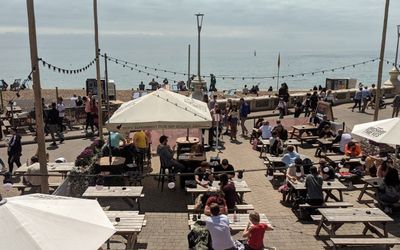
<point x="255" y="232"/>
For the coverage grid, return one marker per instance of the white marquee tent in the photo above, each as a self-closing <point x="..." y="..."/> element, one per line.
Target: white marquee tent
<point x="161" y="109"/>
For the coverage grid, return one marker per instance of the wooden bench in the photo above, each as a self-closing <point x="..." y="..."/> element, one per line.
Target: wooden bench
<point x="316" y="217"/>
<point x="387" y="242"/>
<point x="21" y="186"/>
<point x="325" y="205"/>
<point x="240" y="208"/>
<point x="308" y="138"/>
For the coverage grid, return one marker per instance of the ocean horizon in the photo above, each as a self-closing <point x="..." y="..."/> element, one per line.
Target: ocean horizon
<point x="228" y="61"/>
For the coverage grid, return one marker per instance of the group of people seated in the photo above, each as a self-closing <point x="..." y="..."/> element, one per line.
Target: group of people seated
<point x="219" y="202"/>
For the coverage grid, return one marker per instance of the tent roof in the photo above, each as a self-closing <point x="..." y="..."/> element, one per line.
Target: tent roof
<point x="382" y="131"/>
<point x="161" y="109"/>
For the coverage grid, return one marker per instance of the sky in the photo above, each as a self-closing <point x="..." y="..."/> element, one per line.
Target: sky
<point x="159" y="27"/>
<point x="278" y="25"/>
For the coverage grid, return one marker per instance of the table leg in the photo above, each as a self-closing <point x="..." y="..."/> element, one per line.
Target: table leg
<point x="330" y="195"/>
<point x="320" y="225"/>
<point x="294" y="130"/>
<point x="385" y="231"/>
<point x="130" y="241"/>
<point x="363" y="191"/>
<point x="128" y="201"/>
<point x="241" y="198"/>
<point x="340" y="195"/>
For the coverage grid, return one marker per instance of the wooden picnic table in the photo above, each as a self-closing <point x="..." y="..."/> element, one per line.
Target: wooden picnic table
<point x="15" y="109"/>
<point x="239" y="225"/>
<point x="370" y="183"/>
<point x="327" y="186"/>
<point x="128" y="194"/>
<point x="292" y="142"/>
<point x="104" y="164"/>
<point x="54" y="167"/>
<point x="338" y="158"/>
<point x="129" y="225"/>
<point x="299" y="130"/>
<point x="324" y="144"/>
<point x="241" y="189"/>
<point x="333" y="218"/>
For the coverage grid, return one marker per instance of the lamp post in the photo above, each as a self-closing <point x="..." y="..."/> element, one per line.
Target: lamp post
<point x="397" y="48"/>
<point x="199" y="26"/>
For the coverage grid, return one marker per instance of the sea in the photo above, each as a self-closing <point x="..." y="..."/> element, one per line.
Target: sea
<point x="166" y="59"/>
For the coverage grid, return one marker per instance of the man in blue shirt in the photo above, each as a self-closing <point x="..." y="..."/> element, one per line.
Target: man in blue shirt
<point x="290" y="156"/>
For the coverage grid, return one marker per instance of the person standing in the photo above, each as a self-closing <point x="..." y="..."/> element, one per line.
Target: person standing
<point x="366" y="97"/>
<point x="61" y="112"/>
<point x="396" y="106"/>
<point x="234" y="120"/>
<point x="53" y="119"/>
<point x="357" y="100"/>
<point x="88" y="111"/>
<point x="140" y="141"/>
<point x="314" y="101"/>
<point x="154" y="85"/>
<point x="14" y="150"/>
<point x="141" y="86"/>
<point x="244" y="111"/>
<point x="213" y="82"/>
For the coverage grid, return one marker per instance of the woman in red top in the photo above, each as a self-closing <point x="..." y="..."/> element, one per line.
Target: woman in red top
<point x="255" y="232"/>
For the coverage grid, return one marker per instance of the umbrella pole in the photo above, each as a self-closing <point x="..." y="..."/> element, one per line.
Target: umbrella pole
<point x="187" y="134"/>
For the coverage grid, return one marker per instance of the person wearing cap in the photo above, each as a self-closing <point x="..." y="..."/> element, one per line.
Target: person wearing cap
<point x="328" y="173"/>
<point x="352" y="149"/>
<point x="202" y="174"/>
<point x="226" y="168"/>
<point x="166" y="154"/>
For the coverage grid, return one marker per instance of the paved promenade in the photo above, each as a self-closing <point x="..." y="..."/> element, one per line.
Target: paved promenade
<point x="166" y="213"/>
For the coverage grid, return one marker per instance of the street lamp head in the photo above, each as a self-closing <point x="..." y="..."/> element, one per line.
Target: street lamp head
<point x="199" y="20"/>
<point x="398" y="30"/>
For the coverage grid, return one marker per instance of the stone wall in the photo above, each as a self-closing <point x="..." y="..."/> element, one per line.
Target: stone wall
<point x="264" y="103"/>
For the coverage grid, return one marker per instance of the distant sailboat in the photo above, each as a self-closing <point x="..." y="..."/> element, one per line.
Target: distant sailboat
<point x="255" y="53"/>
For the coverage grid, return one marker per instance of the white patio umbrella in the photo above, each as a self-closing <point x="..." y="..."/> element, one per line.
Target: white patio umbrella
<point x="383" y="131"/>
<point x="48" y="222"/>
<point x="161" y="109"/>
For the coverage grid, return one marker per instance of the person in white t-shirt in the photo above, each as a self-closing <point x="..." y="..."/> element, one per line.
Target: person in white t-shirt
<point x="266" y="130"/>
<point x="218" y="226"/>
<point x="61" y="112"/>
<point x="342" y="138"/>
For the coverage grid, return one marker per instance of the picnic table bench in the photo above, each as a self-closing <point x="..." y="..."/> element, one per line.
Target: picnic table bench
<point x="22" y="186"/>
<point x="299" y="130"/>
<point x="239" y="225"/>
<point x="387" y="242"/>
<point x="239" y="208"/>
<point x="128" y="194"/>
<point x="129" y="224"/>
<point x="341" y="204"/>
<point x="52" y="167"/>
<point x="241" y="189"/>
<point x="333" y="218"/>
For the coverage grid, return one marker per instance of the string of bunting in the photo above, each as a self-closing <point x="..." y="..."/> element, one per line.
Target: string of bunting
<point x="66" y="71"/>
<point x="135" y="66"/>
<point x="126" y="65"/>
